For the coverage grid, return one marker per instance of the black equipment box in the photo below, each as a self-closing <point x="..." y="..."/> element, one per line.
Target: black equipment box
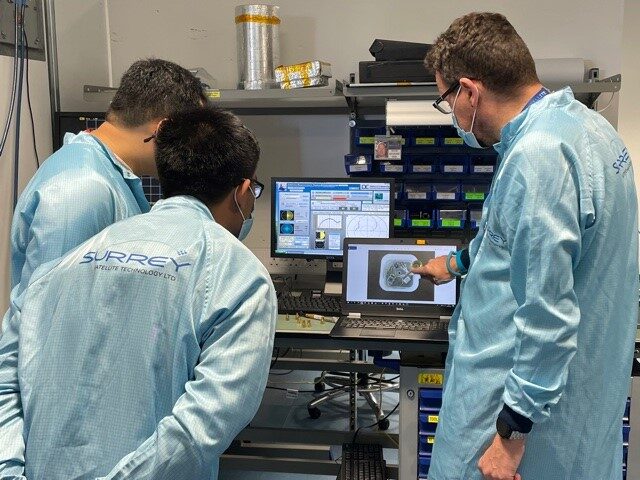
<point x="395" y="72"/>
<point x="387" y="50"/>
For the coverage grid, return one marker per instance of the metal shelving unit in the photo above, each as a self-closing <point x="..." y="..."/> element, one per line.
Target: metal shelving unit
<point x="338" y="97"/>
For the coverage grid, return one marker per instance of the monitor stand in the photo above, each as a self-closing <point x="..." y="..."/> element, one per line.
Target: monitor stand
<point x="333" y="278"/>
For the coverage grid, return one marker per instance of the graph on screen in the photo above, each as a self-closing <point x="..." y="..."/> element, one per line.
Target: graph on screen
<point x="366" y="226"/>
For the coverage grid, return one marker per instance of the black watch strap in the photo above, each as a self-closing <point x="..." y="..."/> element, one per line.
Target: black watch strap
<point x="515" y="421"/>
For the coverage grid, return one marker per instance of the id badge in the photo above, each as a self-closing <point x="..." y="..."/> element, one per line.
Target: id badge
<point x="387" y="147"/>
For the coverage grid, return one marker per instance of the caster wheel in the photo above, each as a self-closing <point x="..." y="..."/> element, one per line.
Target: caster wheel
<point x="384" y="424"/>
<point x="314" y="412"/>
<point x="319" y="387"/>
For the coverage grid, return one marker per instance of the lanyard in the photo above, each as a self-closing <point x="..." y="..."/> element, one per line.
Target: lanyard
<point x="538" y="96"/>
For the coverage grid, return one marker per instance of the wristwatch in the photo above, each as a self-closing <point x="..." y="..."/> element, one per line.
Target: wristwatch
<point x="507" y="432"/>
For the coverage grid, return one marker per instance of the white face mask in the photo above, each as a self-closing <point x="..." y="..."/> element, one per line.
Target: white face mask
<point x="468" y="137"/>
<point x="247" y="223"/>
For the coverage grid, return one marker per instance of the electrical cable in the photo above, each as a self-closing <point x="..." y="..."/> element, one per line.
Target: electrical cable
<point x="355" y="435"/>
<point x="18" y="110"/>
<point x="12" y="101"/>
<point x="33" y="125"/>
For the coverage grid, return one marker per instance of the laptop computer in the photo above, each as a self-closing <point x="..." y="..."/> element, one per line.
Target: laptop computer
<point x="382" y="299"/>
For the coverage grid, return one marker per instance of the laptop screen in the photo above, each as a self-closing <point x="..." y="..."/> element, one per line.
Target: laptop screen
<point x="380" y="274"/>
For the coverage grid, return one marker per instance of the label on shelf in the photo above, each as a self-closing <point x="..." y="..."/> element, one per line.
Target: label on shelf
<point x="212" y="93"/>
<point x="431" y="440"/>
<point x="453" y="168"/>
<point x="453" y="141"/>
<point x="425" y="141"/>
<point x="446" y="196"/>
<point x="366" y="140"/>
<point x="420" y="222"/>
<point x="483" y="169"/>
<point x="433" y="419"/>
<point x="430" y="378"/>
<point x="422" y="168"/>
<point x="397" y="222"/>
<point x="451" y="222"/>
<point x="358" y="168"/>
<point x="417" y="195"/>
<point x="393" y="168"/>
<point x="474" y="196"/>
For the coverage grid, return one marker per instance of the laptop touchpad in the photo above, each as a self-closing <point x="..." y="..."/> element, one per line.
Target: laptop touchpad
<point x="375" y="332"/>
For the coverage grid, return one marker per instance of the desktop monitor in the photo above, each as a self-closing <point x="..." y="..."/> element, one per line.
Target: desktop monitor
<point x="312" y="216"/>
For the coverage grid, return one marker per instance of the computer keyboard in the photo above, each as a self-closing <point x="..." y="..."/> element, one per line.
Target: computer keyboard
<point x="362" y="462"/>
<point x="422" y="325"/>
<point x="308" y="302"/>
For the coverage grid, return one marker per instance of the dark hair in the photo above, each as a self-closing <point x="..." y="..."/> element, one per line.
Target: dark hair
<point x="204" y="152"/>
<point x="486" y="47"/>
<point x="153" y="89"/>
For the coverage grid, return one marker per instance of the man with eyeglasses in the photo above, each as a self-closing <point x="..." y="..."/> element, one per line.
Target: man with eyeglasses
<point x="541" y="343"/>
<point x="145" y="351"/>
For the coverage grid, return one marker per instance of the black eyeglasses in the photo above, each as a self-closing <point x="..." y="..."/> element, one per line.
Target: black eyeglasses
<point x="441" y="104"/>
<point x="257" y="187"/>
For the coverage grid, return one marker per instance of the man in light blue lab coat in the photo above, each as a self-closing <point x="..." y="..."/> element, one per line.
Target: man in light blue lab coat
<point x="143" y="352"/>
<point x="94" y="179"/>
<point x="541" y="343"/>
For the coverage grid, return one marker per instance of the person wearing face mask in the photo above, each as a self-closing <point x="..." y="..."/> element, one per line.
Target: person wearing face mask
<point x="541" y="342"/>
<point x="145" y="350"/>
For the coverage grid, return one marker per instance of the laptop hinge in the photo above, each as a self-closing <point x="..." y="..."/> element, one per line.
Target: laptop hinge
<point x="354" y="315"/>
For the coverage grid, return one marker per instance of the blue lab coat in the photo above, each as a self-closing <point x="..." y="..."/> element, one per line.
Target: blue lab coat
<point x="140" y="354"/>
<point x="547" y="316"/>
<point x="78" y="191"/>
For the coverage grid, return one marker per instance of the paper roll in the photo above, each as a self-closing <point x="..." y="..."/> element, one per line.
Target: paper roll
<point x="562" y="71"/>
<point x="414" y="112"/>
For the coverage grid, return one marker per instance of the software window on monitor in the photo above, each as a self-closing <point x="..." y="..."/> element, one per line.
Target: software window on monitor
<point x="312" y="217"/>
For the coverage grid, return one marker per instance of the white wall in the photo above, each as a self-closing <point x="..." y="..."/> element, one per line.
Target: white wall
<point x="629" y="119"/>
<point x="201" y="32"/>
<point x="38" y="80"/>
<point x="81" y="29"/>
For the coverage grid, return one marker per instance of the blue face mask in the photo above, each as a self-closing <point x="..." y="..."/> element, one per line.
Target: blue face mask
<point x="247" y="223"/>
<point x="468" y="137"/>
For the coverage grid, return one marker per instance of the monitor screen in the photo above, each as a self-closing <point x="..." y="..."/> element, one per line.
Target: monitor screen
<point x="312" y="216"/>
<point x="386" y="269"/>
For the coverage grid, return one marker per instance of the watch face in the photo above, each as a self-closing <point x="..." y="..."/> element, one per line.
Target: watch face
<point x="504" y="430"/>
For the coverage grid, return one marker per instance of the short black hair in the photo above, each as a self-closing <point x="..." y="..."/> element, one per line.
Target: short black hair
<point x="153" y="89"/>
<point x="204" y="152"/>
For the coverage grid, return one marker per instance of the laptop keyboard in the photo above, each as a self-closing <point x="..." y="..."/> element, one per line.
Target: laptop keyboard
<point x="433" y="325"/>
<point x="309" y="303"/>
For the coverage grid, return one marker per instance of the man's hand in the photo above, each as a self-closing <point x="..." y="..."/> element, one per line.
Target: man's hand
<point x="501" y="460"/>
<point x="436" y="270"/>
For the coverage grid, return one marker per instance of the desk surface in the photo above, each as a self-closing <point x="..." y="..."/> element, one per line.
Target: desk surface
<point x="315" y="335"/>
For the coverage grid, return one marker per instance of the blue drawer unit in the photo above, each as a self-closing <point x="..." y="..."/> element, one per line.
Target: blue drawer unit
<point x="422" y="164"/>
<point x="451" y="218"/>
<point x="428" y="422"/>
<point x="420" y="219"/>
<point x="425" y="444"/>
<point x="425" y="137"/>
<point x="392" y="167"/>
<point x="424" y="462"/>
<point x="430" y="400"/>
<point x="454" y="164"/>
<point x="482" y="164"/>
<point x="367" y="135"/>
<point x="358" y="164"/>
<point x="475" y="217"/>
<point x="446" y="191"/>
<point x="429" y="404"/>
<point x="400" y="218"/>
<point x="474" y="192"/>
